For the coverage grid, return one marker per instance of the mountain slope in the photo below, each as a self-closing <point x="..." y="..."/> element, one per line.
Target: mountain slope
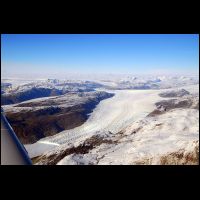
<point x="33" y="120"/>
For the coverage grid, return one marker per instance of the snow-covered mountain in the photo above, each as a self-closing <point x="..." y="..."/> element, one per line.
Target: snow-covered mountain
<point x="44" y="88"/>
<point x="113" y="82"/>
<point x="151" y="82"/>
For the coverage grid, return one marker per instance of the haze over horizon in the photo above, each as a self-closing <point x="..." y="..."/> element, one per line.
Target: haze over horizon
<point x="82" y="55"/>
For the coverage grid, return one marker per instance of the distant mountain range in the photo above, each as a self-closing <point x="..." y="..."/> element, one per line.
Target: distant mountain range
<point x="52" y="87"/>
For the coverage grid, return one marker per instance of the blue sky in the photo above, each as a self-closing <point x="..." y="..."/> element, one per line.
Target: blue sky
<point x="99" y="53"/>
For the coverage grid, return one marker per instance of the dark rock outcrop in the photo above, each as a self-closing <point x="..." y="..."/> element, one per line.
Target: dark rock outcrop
<point x="174" y="93"/>
<point x="166" y="105"/>
<point x="83" y="148"/>
<point x="42" y="118"/>
<point x="32" y="93"/>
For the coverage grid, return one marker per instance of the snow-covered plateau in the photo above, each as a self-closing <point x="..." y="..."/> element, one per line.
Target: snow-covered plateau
<point x="147" y="121"/>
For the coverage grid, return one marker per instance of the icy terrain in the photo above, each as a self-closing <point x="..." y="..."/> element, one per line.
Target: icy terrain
<point x="132" y="127"/>
<point x="132" y="137"/>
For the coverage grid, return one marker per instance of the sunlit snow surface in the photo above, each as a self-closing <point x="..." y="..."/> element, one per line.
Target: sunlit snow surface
<point x="126" y="111"/>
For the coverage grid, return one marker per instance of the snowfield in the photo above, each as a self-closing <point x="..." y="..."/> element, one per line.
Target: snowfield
<point x="157" y="137"/>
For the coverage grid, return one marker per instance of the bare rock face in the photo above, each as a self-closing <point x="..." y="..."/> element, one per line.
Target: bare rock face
<point x="31" y="126"/>
<point x="166" y="105"/>
<point x="29" y="94"/>
<point x="179" y="157"/>
<point x="196" y="106"/>
<point x="34" y="120"/>
<point x="182" y="157"/>
<point x="175" y="93"/>
<point x="53" y="157"/>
